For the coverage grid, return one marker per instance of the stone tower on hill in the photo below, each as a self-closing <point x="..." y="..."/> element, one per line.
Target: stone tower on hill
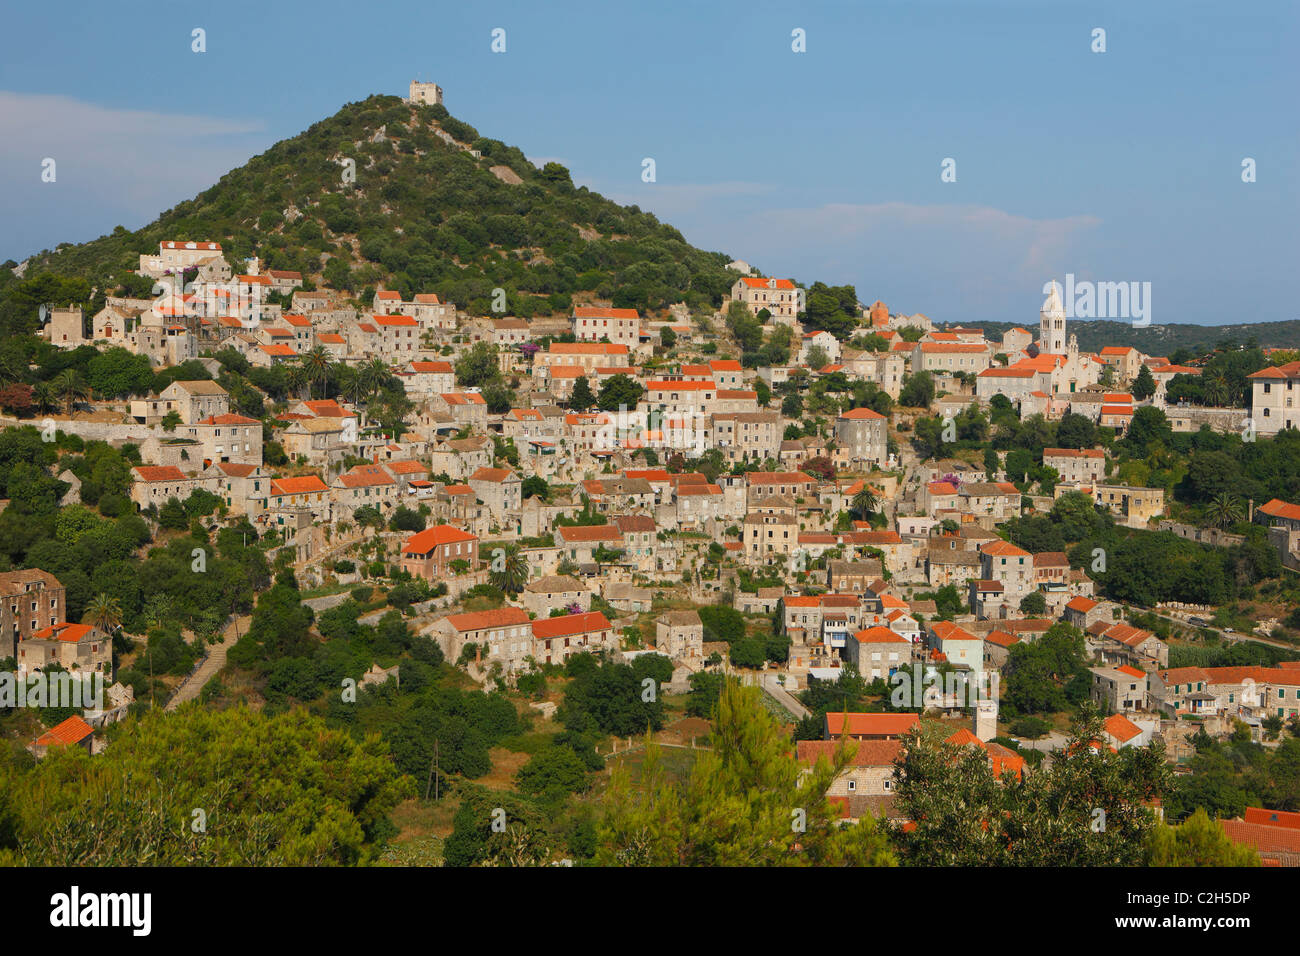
<point x="427" y="94"/>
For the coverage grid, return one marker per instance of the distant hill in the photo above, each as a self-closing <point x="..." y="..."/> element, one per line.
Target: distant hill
<point x="1164" y="339"/>
<point x="424" y="214"/>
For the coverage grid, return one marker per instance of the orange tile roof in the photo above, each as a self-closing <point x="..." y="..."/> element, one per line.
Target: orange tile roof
<point x="1004" y="549"/>
<point x="589" y="533"/>
<point x="871" y="725"/>
<point x="479" y="620"/>
<point x="779" y="478"/>
<point x="1121" y="728"/>
<point x="1277" y="508"/>
<point x="302" y="484"/>
<point x="867" y="753"/>
<point x="586" y="348"/>
<point x="600" y="312"/>
<point x="159" y="473"/>
<point x="422" y="542"/>
<point x="71" y="731"/>
<point x="569" y="624"/>
<point x="754" y="283"/>
<point x="229" y="419"/>
<point x="67" y="633"/>
<point x="879" y="635"/>
<point x="366" y="476"/>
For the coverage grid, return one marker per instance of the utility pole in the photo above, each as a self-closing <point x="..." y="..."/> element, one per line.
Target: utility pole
<point x="434" y="776"/>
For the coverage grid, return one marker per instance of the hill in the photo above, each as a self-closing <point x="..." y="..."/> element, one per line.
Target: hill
<point x="423" y="214"/>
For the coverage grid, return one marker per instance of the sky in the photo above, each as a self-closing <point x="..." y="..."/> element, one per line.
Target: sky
<point x="1115" y="166"/>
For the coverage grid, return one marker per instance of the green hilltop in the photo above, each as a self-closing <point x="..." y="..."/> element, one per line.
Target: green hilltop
<point x="423" y="215"/>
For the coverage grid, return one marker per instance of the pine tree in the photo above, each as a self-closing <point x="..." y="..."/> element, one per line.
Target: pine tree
<point x="748" y="802"/>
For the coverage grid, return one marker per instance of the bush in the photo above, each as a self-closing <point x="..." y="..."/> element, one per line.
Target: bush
<point x="1031" y="727"/>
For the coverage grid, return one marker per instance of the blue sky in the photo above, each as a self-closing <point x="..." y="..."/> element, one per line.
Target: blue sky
<point x="1115" y="166"/>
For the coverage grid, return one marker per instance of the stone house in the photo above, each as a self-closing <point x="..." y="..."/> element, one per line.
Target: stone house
<point x="77" y="648"/>
<point x="680" y="635"/>
<point x="501" y="490"/>
<point x="428" y="554"/>
<point x="30" y="600"/>
<point x="555" y="592"/>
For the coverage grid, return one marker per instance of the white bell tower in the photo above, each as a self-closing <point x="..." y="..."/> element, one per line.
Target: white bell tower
<point x="1051" y="324"/>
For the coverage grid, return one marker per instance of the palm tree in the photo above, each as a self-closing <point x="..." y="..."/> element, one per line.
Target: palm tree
<point x="373" y="375"/>
<point x="71" y="387"/>
<point x="103" y="612"/>
<point x="1216" y="390"/>
<point x="295" y="377"/>
<point x="1224" y="510"/>
<point x="513" y="573"/>
<point x="317" y="363"/>
<point x="864" y="502"/>
<point x="45" y="396"/>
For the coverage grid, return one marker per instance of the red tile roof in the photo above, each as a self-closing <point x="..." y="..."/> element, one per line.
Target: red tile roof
<point x="872" y="725"/>
<point x="71" y="731"/>
<point x="159" y="473"/>
<point x="303" y="484"/>
<point x="569" y="624"/>
<point x="423" y="542"/>
<point x="479" y="620"/>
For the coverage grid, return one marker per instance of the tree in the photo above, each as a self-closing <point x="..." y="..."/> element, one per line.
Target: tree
<point x="318" y="363"/>
<point x="296" y="378"/>
<point x="1033" y="604"/>
<point x="374" y="375"/>
<point x="172" y="420"/>
<point x="748" y="652"/>
<point x="619" y="391"/>
<point x="509" y="571"/>
<point x="864" y="502"/>
<point x="478" y="366"/>
<point x="45" y="395"/>
<point x="748" y="802"/>
<point x="103" y="612"/>
<point x="581" y="398"/>
<point x="1223" y="511"/>
<point x="535" y="486"/>
<point x="283" y="790"/>
<point x="918" y="391"/>
<point x="71" y="387"/>
<point x="1198" y="841"/>
<point x="17" y="399"/>
<point x="1144" y="386"/>
<point x="553" y="773"/>
<point x="1090" y="807"/>
<point x="817" y="358"/>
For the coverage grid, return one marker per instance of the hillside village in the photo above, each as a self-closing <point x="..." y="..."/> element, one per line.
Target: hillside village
<point x="888" y="525"/>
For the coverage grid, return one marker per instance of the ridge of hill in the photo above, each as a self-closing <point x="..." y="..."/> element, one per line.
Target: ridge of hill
<point x="433" y="206"/>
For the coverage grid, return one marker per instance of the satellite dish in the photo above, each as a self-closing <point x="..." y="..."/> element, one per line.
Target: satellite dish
<point x="44" y="313"/>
